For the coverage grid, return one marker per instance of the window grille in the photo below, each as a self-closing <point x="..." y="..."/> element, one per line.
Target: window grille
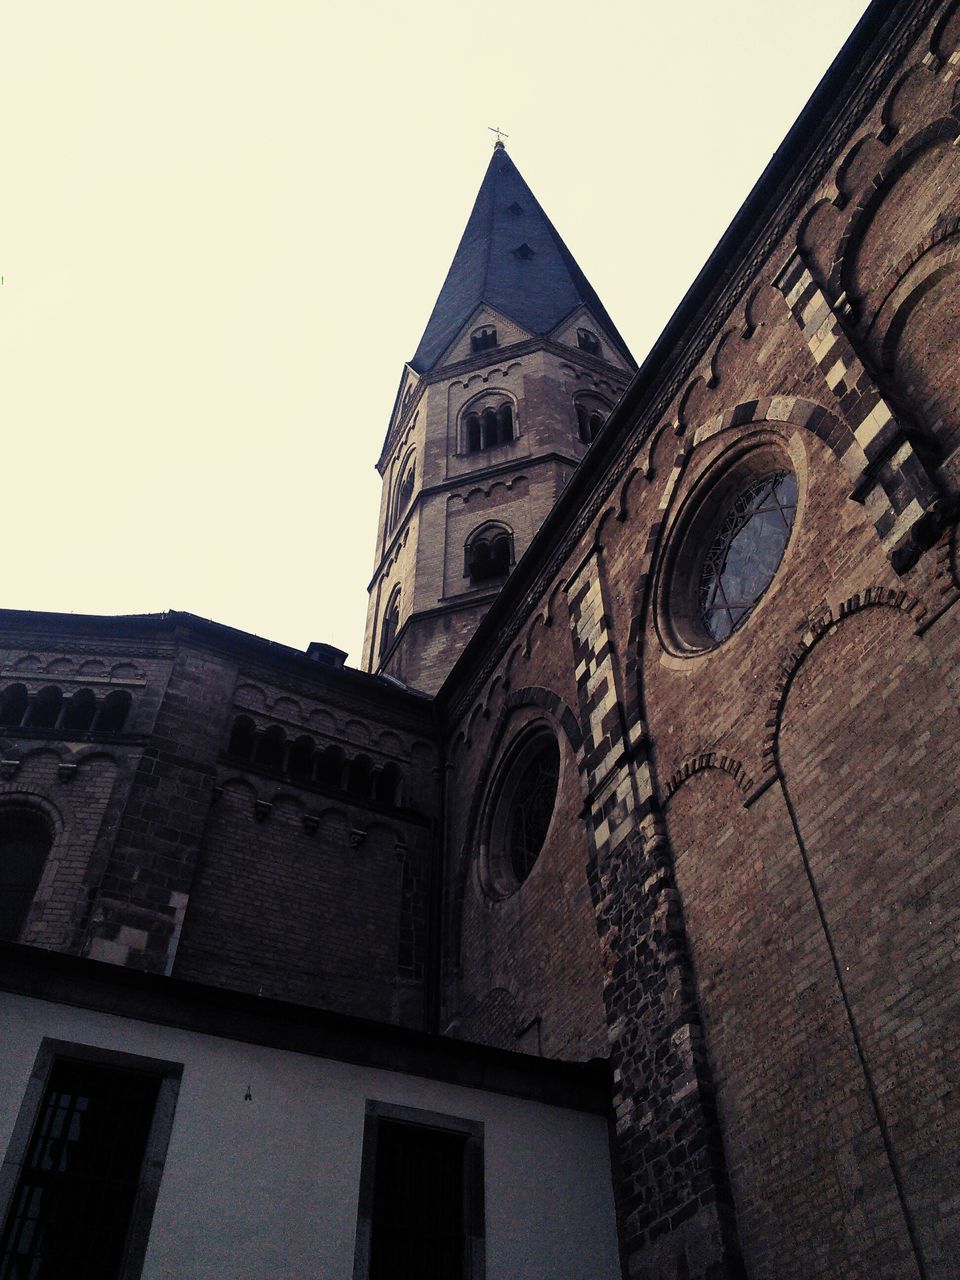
<point x="73" y="1201"/>
<point x="421" y="1211"/>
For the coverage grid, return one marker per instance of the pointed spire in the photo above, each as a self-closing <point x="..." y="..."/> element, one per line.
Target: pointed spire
<point x="511" y="258"/>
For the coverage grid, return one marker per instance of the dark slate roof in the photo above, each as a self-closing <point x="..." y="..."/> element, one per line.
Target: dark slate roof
<point x="537" y="291"/>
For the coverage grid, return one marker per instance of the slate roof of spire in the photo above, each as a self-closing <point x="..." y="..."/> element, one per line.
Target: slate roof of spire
<point x="537" y="290"/>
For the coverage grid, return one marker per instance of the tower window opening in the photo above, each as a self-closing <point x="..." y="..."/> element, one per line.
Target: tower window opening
<point x="588" y="341"/>
<point x="391" y="623"/>
<point x="523" y="252"/>
<point x="592" y="413"/>
<point x="488" y="428"/>
<point x="404" y="492"/>
<point x="483" y="339"/>
<point x="489" y="554"/>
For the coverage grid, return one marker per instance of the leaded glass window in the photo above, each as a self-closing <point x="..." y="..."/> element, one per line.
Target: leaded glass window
<point x="746" y="552"/>
<point x="532" y="808"/>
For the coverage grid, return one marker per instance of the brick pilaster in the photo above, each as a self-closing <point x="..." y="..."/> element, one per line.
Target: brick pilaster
<point x="673" y="1202"/>
<point x="886" y="472"/>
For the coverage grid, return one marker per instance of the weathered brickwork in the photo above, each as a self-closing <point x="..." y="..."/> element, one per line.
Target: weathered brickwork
<point x="746" y="889"/>
<point x="770" y="825"/>
<point x="173" y="851"/>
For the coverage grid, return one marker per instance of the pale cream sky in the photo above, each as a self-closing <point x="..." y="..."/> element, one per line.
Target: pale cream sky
<point x="224" y="225"/>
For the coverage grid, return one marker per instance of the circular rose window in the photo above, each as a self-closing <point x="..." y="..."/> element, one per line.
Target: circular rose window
<point x="519" y="811"/>
<point x="746" y="552"/>
<point x="727" y="550"/>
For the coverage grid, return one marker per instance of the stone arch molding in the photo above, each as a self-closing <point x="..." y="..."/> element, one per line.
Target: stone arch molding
<point x="779" y="410"/>
<point x="829" y="621"/>
<point x="827" y="624"/>
<point x="709" y="760"/>
<point x="554" y="709"/>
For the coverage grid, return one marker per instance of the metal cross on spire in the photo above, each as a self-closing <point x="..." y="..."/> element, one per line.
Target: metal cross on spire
<point x="500" y="136"/>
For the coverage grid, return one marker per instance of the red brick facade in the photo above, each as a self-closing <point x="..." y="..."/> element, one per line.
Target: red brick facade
<point x="747" y="894"/>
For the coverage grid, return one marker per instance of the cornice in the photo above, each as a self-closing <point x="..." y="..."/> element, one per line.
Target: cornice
<point x="793" y="175"/>
<point x="476" y="364"/>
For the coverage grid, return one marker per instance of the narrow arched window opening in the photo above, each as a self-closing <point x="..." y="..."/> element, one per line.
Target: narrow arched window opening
<point x="386" y="784"/>
<point x="271" y="749"/>
<point x="25" y="840"/>
<point x="300" y="763"/>
<point x="359" y="779"/>
<point x="404" y="491"/>
<point x="591" y="415"/>
<point x="13" y="705"/>
<point x="505" y="423"/>
<point x="483" y="339"/>
<point x="114" y="712"/>
<point x="588" y="341"/>
<point x="474" y="433"/>
<point x="391" y="623"/>
<point x="329" y="769"/>
<point x="487" y="427"/>
<point x="242" y="738"/>
<point x="79" y="712"/>
<point x="45" y="710"/>
<point x="489" y="554"/>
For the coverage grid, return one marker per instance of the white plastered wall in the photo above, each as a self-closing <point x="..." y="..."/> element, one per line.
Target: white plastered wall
<point x="267" y="1189"/>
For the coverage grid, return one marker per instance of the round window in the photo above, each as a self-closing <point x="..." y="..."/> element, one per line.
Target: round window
<point x="728" y="550"/>
<point x="746" y="552"/>
<point x="523" y="798"/>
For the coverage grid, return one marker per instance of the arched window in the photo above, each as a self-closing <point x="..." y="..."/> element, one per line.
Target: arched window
<point x="487" y="425"/>
<point x="592" y="413"/>
<point x="488" y="554"/>
<point x="588" y="341"/>
<point x="271" y="748"/>
<point x="79" y="712"/>
<point x="25" y="840"/>
<point x="113" y="713"/>
<point x="45" y="709"/>
<point x="359" y="777"/>
<point x="505" y="423"/>
<point x="329" y="768"/>
<point x="483" y="339"/>
<point x="473" y="433"/>
<point x="404" y="489"/>
<point x="386" y="782"/>
<point x="242" y="737"/>
<point x="13" y="705"/>
<point x="391" y="622"/>
<point x="300" y="762"/>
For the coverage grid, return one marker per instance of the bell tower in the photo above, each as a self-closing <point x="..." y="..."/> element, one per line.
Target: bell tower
<point x="515" y="373"/>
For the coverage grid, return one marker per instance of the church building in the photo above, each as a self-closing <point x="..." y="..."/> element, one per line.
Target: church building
<point x="602" y="922"/>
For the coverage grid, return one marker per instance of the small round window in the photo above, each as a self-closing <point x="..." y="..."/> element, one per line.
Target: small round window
<point x="519" y="812"/>
<point x="727" y="549"/>
<point x="746" y="552"/>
